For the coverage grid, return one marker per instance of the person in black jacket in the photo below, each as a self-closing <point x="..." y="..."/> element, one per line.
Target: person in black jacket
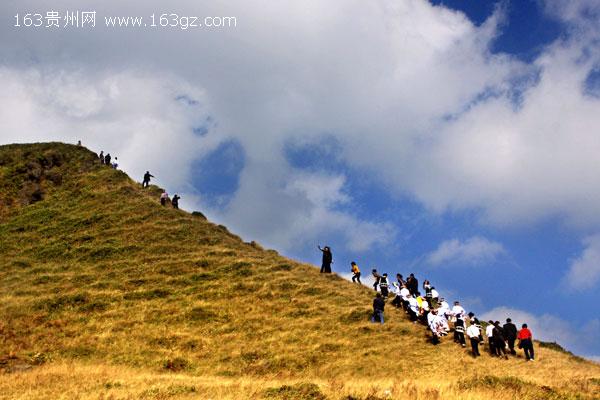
<point x="400" y="279"/>
<point x="499" y="342"/>
<point x="175" y="201"/>
<point x="412" y="284"/>
<point x="383" y="286"/>
<point x="327" y="259"/>
<point x="378" y="307"/>
<point x="376" y="278"/>
<point x="510" y="333"/>
<point x="146" y="181"/>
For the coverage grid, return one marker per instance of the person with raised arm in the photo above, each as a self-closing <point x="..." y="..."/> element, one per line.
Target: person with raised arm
<point x="327" y="259"/>
<point x="146" y="181"/>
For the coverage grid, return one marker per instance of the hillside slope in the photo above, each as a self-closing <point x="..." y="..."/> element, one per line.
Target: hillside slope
<point x="107" y="294"/>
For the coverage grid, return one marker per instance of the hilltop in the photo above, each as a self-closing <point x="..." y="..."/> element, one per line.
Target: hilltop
<point x="107" y="294"/>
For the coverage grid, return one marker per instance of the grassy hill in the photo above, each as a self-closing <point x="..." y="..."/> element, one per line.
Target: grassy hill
<point x="105" y="294"/>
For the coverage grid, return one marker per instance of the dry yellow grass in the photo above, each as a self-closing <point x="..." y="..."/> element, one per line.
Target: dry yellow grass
<point x="106" y="294"/>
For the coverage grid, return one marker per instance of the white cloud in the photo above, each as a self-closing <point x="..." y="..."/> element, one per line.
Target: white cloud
<point x="132" y="115"/>
<point x="473" y="251"/>
<point x="380" y="77"/>
<point x="549" y="328"/>
<point x="305" y="209"/>
<point x="584" y="271"/>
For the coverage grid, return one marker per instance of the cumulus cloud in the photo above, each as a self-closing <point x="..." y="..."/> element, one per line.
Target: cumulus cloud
<point x="473" y="251"/>
<point x="282" y="73"/>
<point x="408" y="90"/>
<point x="584" y="271"/>
<point x="549" y="328"/>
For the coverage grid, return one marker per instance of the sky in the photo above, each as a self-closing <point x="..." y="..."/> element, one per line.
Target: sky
<point x="455" y="139"/>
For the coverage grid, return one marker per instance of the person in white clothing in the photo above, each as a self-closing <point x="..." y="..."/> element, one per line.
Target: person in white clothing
<point x="473" y="333"/>
<point x="404" y="292"/>
<point x="458" y="311"/>
<point x="444" y="307"/>
<point x="413" y="308"/>
<point x="489" y="332"/>
<point x="437" y="329"/>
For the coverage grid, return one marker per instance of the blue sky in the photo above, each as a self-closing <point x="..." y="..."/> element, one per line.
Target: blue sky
<point x="455" y="139"/>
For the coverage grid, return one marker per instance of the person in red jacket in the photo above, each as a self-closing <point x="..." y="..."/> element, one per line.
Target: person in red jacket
<point x="526" y="342"/>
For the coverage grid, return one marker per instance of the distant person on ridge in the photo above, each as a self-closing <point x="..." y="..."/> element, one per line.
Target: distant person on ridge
<point x="115" y="164"/>
<point x="473" y="333"/>
<point x="175" y="201"/>
<point x="107" y="159"/>
<point x="327" y="259"/>
<point x="163" y="198"/>
<point x="101" y="157"/>
<point x="526" y="342"/>
<point x="355" y="273"/>
<point x="378" y="307"/>
<point x="146" y="181"/>
<point x="510" y="334"/>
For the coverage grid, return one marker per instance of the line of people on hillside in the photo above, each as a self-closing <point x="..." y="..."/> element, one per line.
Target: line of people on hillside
<point x="106" y="160"/>
<point x="434" y="311"/>
<point x="164" y="197"/>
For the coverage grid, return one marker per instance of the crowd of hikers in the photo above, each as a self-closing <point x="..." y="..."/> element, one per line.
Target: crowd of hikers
<point x="429" y="308"/>
<point x="164" y="197"/>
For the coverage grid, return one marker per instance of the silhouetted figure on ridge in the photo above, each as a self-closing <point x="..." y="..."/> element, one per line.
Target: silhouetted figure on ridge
<point x="175" y="201"/>
<point x="101" y="157"/>
<point x="107" y="159"/>
<point x="327" y="259"/>
<point x="146" y="181"/>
